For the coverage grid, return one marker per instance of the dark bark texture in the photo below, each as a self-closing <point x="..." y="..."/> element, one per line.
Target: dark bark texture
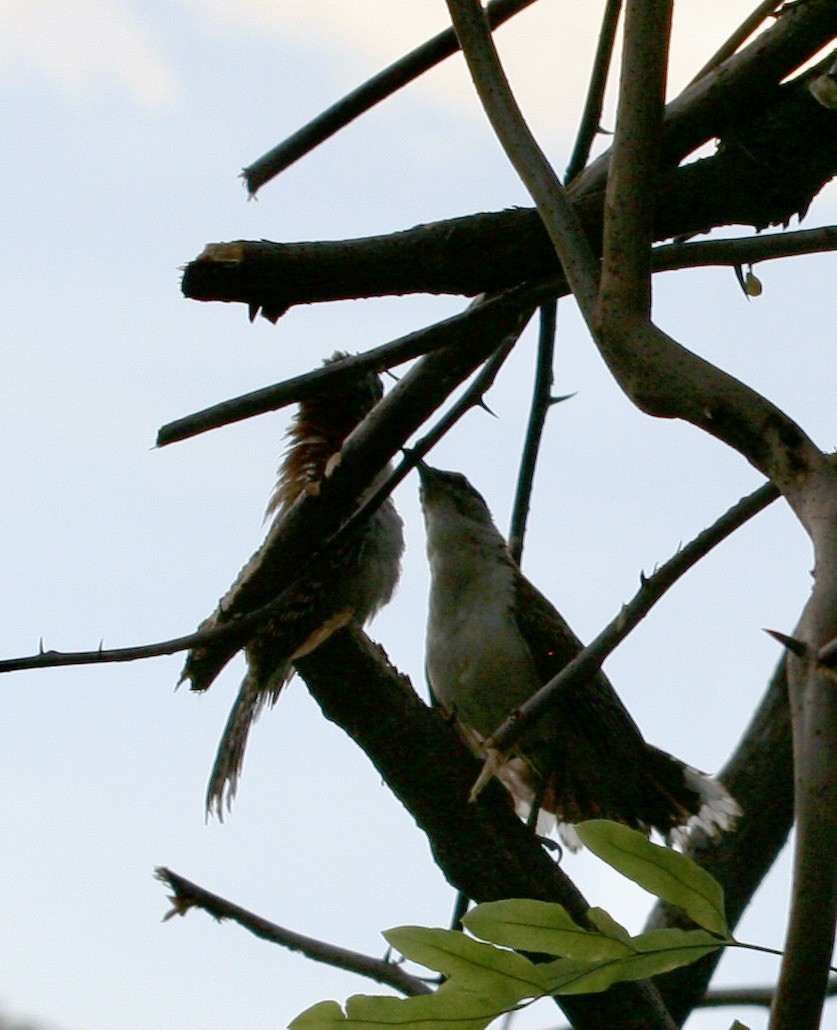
<point x="482" y="849"/>
<point x="768" y="167"/>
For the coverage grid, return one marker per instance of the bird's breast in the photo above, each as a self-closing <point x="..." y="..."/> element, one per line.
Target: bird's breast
<point x="479" y="666"/>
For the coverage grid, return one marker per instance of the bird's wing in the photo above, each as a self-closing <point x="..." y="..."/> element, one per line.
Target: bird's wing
<point x="586" y="745"/>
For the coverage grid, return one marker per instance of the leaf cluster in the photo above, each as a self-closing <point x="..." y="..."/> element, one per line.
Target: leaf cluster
<point x="532" y="949"/>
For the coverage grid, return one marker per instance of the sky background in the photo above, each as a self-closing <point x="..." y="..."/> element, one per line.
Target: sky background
<point x="125" y="126"/>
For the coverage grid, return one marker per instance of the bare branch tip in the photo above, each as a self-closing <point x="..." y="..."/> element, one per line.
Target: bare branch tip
<point x="180" y="904"/>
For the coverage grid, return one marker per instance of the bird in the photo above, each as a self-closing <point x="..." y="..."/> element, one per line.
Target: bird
<point x="493" y="640"/>
<point x="348" y="587"/>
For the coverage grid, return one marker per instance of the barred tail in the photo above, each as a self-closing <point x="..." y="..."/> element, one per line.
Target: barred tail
<point x="702" y="801"/>
<point x="229" y="760"/>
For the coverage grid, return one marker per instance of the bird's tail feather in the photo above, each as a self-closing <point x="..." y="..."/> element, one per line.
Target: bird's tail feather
<point x="226" y="770"/>
<point x="705" y="802"/>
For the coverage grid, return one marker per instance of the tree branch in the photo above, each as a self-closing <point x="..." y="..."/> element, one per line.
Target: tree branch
<point x="541" y="402"/>
<point x="666" y="380"/>
<point x="763" y="997"/>
<point x="759" y="775"/>
<point x="482" y="849"/>
<point x="668" y="257"/>
<point x="741" y="90"/>
<point x="589" y="661"/>
<point x="741" y="35"/>
<point x="592" y="113"/>
<point x="769" y="168"/>
<point x="189" y="895"/>
<point x="319" y="522"/>
<point x="450" y="332"/>
<point x="365" y="97"/>
<point x="629" y="198"/>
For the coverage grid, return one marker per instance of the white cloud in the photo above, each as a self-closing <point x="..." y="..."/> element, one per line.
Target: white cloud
<point x="85" y="45"/>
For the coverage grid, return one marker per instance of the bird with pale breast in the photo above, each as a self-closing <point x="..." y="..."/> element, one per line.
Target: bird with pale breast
<point x="493" y="640"/>
<point x="354" y="583"/>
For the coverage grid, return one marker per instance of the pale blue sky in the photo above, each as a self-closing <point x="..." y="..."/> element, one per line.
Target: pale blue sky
<point x="125" y="125"/>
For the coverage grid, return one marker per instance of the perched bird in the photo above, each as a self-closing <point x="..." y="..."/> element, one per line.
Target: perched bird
<point x="493" y="640"/>
<point x="354" y="584"/>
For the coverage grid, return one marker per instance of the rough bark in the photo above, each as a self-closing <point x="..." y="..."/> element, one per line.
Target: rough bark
<point x="482" y="849"/>
<point x="767" y="169"/>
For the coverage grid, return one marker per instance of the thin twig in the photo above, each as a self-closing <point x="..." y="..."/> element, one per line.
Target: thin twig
<point x="651" y="590"/>
<point x="739" y="37"/>
<point x="189" y="895"/>
<point x="365" y="97"/>
<point x="744" y="249"/>
<point x="592" y="115"/>
<point x="242" y="626"/>
<point x="388" y="355"/>
<point x="471" y="397"/>
<point x="721" y="997"/>
<point x="541" y="402"/>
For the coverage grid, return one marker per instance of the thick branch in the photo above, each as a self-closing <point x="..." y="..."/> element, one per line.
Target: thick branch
<point x="771" y="169"/>
<point x="559" y="217"/>
<point x="629" y="197"/>
<point x="665" y="379"/>
<point x="483" y="849"/>
<point x="738" y="91"/>
<point x="668" y="257"/>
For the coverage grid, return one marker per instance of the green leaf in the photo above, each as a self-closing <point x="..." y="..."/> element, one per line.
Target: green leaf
<point x="659" y="870"/>
<point x="657" y="952"/>
<point x="471" y="964"/>
<point x="606" y="924"/>
<point x="541" y="926"/>
<point x="450" y="1006"/>
<point x="738" y="1026"/>
<point x="323" y="1014"/>
<point x="671" y="938"/>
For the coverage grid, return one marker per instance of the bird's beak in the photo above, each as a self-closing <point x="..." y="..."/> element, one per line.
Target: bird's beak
<point x="427" y="473"/>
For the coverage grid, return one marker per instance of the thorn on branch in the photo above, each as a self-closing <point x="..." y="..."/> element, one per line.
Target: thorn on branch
<point x="797" y="647"/>
<point x="563" y="397"/>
